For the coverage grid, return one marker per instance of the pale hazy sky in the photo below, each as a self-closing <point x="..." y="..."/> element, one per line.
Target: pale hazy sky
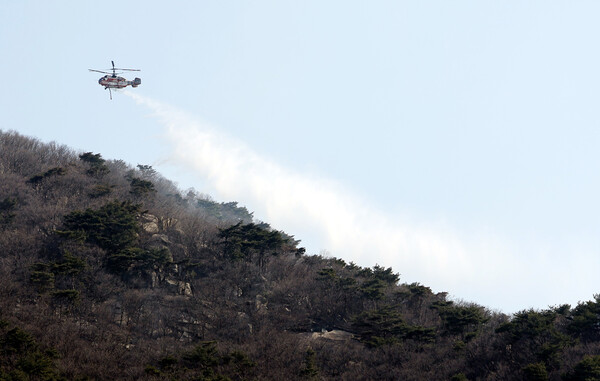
<point x="453" y="141"/>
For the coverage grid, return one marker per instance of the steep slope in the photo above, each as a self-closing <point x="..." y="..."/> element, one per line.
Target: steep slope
<point x="111" y="272"/>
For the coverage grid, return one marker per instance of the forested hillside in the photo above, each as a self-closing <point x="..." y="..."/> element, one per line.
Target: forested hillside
<point x="109" y="272"/>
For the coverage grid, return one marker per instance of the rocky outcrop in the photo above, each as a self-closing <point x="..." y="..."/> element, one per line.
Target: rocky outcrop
<point x="179" y="287"/>
<point x="333" y="335"/>
<point x="149" y="223"/>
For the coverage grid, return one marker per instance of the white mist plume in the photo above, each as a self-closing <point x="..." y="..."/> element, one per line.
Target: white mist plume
<point x="476" y="269"/>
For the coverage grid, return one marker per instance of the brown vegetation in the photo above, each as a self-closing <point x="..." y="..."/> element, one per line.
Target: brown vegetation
<point x="111" y="272"/>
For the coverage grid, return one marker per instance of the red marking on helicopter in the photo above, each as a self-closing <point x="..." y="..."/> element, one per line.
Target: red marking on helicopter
<point x="112" y="81"/>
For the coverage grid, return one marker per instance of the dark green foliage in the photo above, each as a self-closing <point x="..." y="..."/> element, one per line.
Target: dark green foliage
<point x="239" y="358"/>
<point x="309" y="369"/>
<point x="563" y="309"/>
<point x="100" y="190"/>
<point x="69" y="265"/>
<point x="533" y="332"/>
<point x="22" y="358"/>
<point x="228" y="211"/>
<point x="113" y="227"/>
<point x="385" y="275"/>
<point x="211" y="207"/>
<point x="137" y="258"/>
<point x="536" y="372"/>
<point x="42" y="280"/>
<point x="338" y="262"/>
<point x="458" y="319"/>
<point x="386" y="326"/>
<point x="154" y="258"/>
<point x="246" y="241"/>
<point x="587" y="370"/>
<point x="91" y="158"/>
<point x="122" y="261"/>
<point x="378" y="279"/>
<point x="65" y="296"/>
<point x="459" y="345"/>
<point x="7" y="206"/>
<point x="17" y="341"/>
<point x="97" y="168"/>
<point x="346" y="283"/>
<point x="528" y="324"/>
<point x="585" y="322"/>
<point x="37" y="179"/>
<point x="418" y="289"/>
<point x="373" y="289"/>
<point x="208" y="363"/>
<point x="140" y="188"/>
<point x="204" y="355"/>
<point x="365" y="272"/>
<point x="167" y="362"/>
<point x="44" y="276"/>
<point x="327" y="274"/>
<point x="147" y="170"/>
<point x="38" y="365"/>
<point x="195" y="269"/>
<point x="151" y="371"/>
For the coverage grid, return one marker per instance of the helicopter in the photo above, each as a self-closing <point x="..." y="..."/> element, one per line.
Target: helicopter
<point x="112" y="81"/>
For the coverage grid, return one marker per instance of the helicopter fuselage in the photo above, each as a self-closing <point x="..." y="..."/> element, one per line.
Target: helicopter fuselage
<point x="114" y="82"/>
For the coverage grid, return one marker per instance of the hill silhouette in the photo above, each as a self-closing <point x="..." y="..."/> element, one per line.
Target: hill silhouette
<point x="109" y="271"/>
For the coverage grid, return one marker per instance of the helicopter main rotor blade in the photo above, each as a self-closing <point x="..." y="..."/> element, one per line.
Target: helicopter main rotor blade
<point x="99" y="71"/>
<point x="127" y="69"/>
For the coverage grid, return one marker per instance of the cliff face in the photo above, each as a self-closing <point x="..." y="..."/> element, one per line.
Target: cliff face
<point x="111" y="272"/>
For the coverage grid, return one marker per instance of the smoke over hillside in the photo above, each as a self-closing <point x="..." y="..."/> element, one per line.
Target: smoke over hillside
<point x="479" y="266"/>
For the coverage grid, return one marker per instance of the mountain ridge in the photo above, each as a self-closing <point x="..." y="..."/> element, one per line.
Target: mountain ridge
<point x="111" y="272"/>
